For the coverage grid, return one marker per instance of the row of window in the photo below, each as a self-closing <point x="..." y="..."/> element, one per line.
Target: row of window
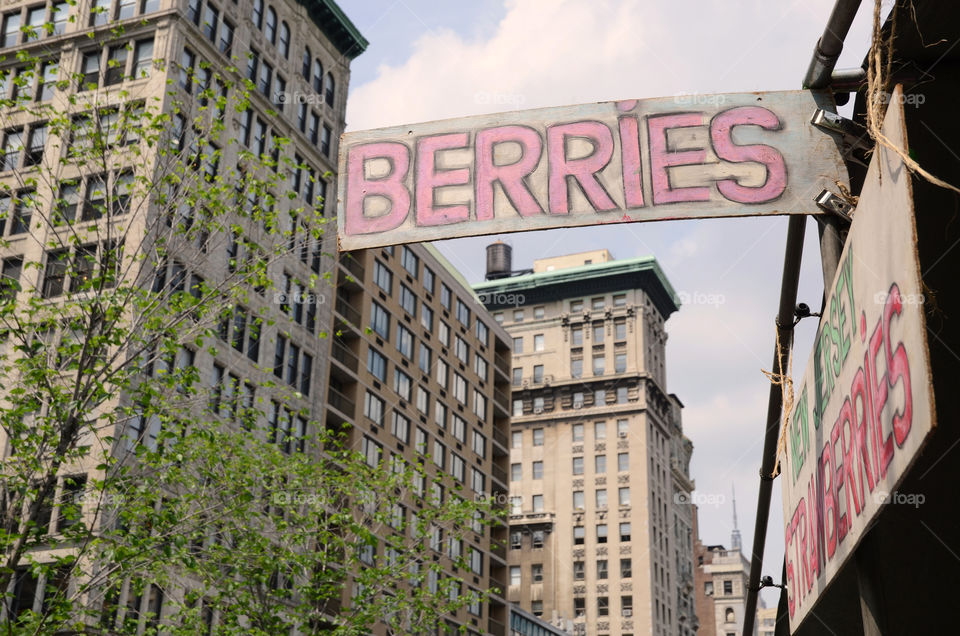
<point x="579" y="502"/>
<point x="597" y="303"/>
<point x="540" y="403"/>
<point x="24" y="146"/>
<point x="603" y="606"/>
<point x="576" y="432"/>
<point x="28" y="24"/>
<point x="600" y="466"/>
<point x="579" y="533"/>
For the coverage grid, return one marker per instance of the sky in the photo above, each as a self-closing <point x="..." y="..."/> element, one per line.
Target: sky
<point x="432" y="60"/>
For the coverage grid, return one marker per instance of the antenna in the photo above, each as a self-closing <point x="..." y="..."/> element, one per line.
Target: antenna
<point x="735" y="543"/>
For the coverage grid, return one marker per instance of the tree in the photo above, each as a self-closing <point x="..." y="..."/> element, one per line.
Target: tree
<point x="143" y="241"/>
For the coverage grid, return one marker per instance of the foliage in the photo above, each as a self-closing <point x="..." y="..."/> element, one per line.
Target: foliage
<point x="148" y="236"/>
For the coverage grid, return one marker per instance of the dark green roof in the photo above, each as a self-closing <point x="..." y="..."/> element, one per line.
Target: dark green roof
<point x="633" y="273"/>
<point x="336" y="26"/>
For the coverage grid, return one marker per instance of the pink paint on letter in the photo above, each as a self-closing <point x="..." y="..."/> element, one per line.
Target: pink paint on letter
<point x="511" y="176"/>
<point x="630" y="157"/>
<point x="662" y="158"/>
<point x="721" y="136"/>
<point x="583" y="170"/>
<point x="390" y="187"/>
<point x="428" y="178"/>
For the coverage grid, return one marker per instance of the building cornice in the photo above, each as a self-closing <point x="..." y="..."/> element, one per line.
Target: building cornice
<point x="635" y="273"/>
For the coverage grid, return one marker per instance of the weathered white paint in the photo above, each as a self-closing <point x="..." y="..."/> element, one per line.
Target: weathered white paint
<point x="609" y="162"/>
<point x="865" y="405"/>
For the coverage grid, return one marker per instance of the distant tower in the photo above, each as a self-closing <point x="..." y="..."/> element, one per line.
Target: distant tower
<point x="735" y="535"/>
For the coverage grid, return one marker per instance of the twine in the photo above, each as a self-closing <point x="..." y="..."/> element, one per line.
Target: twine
<point x="878" y="79"/>
<point x="785" y="382"/>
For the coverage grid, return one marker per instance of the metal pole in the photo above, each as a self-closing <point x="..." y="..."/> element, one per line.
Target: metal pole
<point x="828" y="49"/>
<point x="788" y="300"/>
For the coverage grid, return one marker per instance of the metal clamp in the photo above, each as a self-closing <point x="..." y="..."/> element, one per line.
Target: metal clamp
<point x="830" y="202"/>
<point x="856" y="141"/>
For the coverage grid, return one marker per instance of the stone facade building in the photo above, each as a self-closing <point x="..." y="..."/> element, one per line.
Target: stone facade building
<point x="599" y="535"/>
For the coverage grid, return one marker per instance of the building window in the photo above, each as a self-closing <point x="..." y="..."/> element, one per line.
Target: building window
<point x="576" y="369"/>
<point x="603" y="606"/>
<point x="601" y="497"/>
<point x="626" y="605"/>
<point x="426" y="318"/>
<point x="578" y="500"/>
<point x="537" y="537"/>
<point x="580" y="607"/>
<point x="576" y="336"/>
<point x="459" y="428"/>
<point x="517" y="411"/>
<point x="579" y="571"/>
<point x="579" y="533"/>
<point x="538" y="504"/>
<point x="518" y="345"/>
<point x="623" y="427"/>
<point x="410" y="261"/>
<point x="515" y="574"/>
<point x="463" y="313"/>
<point x="727" y="587"/>
<point x="622" y="395"/>
<point x="599" y="430"/>
<point x="379" y="320"/>
<point x="284" y="40"/>
<point x="383" y="277"/>
<point x="538" y="374"/>
<point x="626" y="568"/>
<point x="377" y="364"/>
<point x="599" y="397"/>
<point x="402" y="384"/>
<point x="405" y="342"/>
<point x="599" y="364"/>
<point x="578" y="465"/>
<point x="516" y="440"/>
<point x="601" y="568"/>
<point x="620" y="330"/>
<point x="538" y="403"/>
<point x="623" y="462"/>
<point x="373" y="408"/>
<point x="457" y="467"/>
<point x="408" y="301"/>
<point x="445" y="296"/>
<point x="516" y="505"/>
<point x="479" y="444"/>
<point x="625" y="531"/>
<point x="538" y="342"/>
<point x="576" y="306"/>
<point x="600" y="464"/>
<point x="443" y="333"/>
<point x="577" y="432"/>
<point x="429" y="279"/>
<point x="538" y="470"/>
<point x="729" y="615"/>
<point x="601" y="533"/>
<point x="329" y="89"/>
<point x="516" y="470"/>
<point x="326" y="134"/>
<point x="619" y="300"/>
<point x="372" y="451"/>
<point x="536" y="608"/>
<point x="538" y="437"/>
<point x="516" y="540"/>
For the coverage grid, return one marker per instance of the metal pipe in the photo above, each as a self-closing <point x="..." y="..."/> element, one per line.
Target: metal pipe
<point x="830" y="44"/>
<point x="788" y="300"/>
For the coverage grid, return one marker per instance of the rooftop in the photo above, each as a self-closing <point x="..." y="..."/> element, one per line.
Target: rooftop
<point x="336" y="26"/>
<point x="633" y="273"/>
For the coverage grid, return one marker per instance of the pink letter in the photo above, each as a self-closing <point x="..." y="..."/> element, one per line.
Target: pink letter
<point x="427" y="178"/>
<point x="630" y="156"/>
<point x="583" y="170"/>
<point x="390" y="187"/>
<point x="720" y="135"/>
<point x="511" y="176"/>
<point x="661" y="158"/>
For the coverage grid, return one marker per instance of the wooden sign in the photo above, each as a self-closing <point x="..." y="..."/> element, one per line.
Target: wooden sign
<point x="865" y="406"/>
<point x="611" y="162"/>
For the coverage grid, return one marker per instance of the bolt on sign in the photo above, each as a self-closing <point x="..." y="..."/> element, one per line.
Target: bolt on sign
<point x="609" y="162"/>
<point x="865" y="406"/>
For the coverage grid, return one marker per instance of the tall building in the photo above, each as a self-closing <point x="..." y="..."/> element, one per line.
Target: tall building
<point x="600" y="531"/>
<point x="164" y="54"/>
<point x="422" y="371"/>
